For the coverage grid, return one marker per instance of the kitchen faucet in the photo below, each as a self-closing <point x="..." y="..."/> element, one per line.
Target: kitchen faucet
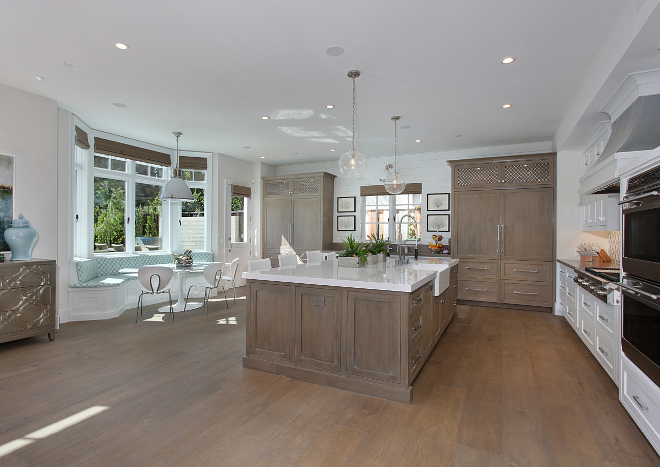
<point x="402" y="254"/>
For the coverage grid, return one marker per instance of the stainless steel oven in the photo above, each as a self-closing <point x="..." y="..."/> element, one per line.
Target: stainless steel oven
<point x="640" y="337"/>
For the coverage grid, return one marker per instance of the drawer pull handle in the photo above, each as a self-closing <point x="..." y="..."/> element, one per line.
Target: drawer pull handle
<point x="562" y="287"/>
<point x="586" y="332"/>
<point x="570" y="294"/>
<point x="525" y="293"/>
<point x="569" y="313"/>
<point x="442" y="301"/>
<point x="586" y="304"/>
<point x="429" y="287"/>
<point x="480" y="269"/>
<point x="525" y="270"/>
<point x="639" y="403"/>
<point x="602" y="318"/>
<point x="416" y="301"/>
<point x="562" y="272"/>
<point x="478" y="290"/>
<point x="602" y="350"/>
<point x="416" y="358"/>
<point x="417" y="327"/>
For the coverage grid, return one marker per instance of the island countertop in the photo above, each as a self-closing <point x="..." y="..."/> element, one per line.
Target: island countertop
<point x="375" y="277"/>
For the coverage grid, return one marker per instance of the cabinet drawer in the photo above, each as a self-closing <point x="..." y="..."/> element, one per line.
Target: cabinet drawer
<point x="587" y="332"/>
<point x="605" y="352"/>
<point x="527" y="293"/>
<point x="572" y="290"/>
<point x="478" y="269"/>
<point x="606" y="318"/>
<point x="415" y="326"/>
<point x="571" y="313"/>
<point x="481" y="291"/>
<point x="637" y="400"/>
<point x="527" y="270"/>
<point x="417" y="300"/>
<point x="587" y="304"/>
<point x="415" y="360"/>
<point x="24" y="276"/>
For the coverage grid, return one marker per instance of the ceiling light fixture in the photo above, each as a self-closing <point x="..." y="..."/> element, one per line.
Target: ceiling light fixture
<point x="395" y="183"/>
<point x="41" y="78"/>
<point x="332" y="150"/>
<point x="67" y="65"/>
<point x="418" y="141"/>
<point x="122" y="46"/>
<point x="405" y="127"/>
<point x="265" y="118"/>
<point x="176" y="188"/>
<point x="329" y="106"/>
<point x="508" y="60"/>
<point x="263" y="157"/>
<point x="506" y="106"/>
<point x="120" y="105"/>
<point x="352" y="164"/>
<point x="247" y="147"/>
<point x="334" y="51"/>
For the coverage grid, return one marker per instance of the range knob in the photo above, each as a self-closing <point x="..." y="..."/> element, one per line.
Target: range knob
<point x="601" y="291"/>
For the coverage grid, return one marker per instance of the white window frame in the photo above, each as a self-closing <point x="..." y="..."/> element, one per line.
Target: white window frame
<point x="392" y="223"/>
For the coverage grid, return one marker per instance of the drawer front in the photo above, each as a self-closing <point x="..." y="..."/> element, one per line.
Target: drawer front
<point x="643" y="408"/>
<point x="571" y="313"/>
<point x="415" y="360"/>
<point x="24" y="276"/>
<point x="606" y="318"/>
<point x="478" y="269"/>
<point x="415" y="326"/>
<point x="587" y="304"/>
<point x="605" y="352"/>
<point x="572" y="290"/>
<point x="527" y="271"/>
<point x="587" y="332"/>
<point x="417" y="301"/>
<point x="527" y="293"/>
<point x="480" y="291"/>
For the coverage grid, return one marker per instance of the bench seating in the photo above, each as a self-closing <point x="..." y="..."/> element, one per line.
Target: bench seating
<point x="102" y="292"/>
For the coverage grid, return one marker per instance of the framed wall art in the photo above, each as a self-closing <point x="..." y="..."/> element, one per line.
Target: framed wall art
<point x="437" y="202"/>
<point x="346" y="204"/>
<point x="6" y="197"/>
<point x="437" y="222"/>
<point x="346" y="223"/>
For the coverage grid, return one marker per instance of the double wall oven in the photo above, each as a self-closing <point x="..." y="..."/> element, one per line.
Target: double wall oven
<point x="640" y="284"/>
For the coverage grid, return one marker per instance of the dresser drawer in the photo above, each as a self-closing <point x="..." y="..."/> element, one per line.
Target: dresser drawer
<point x="478" y="269"/>
<point x="415" y="326"/>
<point x="415" y="360"/>
<point x="587" y="304"/>
<point x="527" y="293"/>
<point x="605" y="352"/>
<point x="606" y="318"/>
<point x="481" y="291"/>
<point x="24" y="276"/>
<point x="527" y="271"/>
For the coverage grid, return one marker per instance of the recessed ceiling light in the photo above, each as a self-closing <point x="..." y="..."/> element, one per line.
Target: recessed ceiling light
<point x="458" y="136"/>
<point x="265" y="118"/>
<point x="332" y="150"/>
<point x="508" y="60"/>
<point x="67" y="65"/>
<point x="296" y="153"/>
<point x="334" y="51"/>
<point x="41" y="78"/>
<point x="506" y="106"/>
<point x="418" y="141"/>
<point x="404" y="127"/>
<point x="247" y="147"/>
<point x="120" y="105"/>
<point x="122" y="46"/>
<point x="330" y="106"/>
<point x="263" y="157"/>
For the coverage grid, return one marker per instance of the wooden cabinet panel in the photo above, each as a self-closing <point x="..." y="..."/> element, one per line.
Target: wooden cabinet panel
<point x="306" y="220"/>
<point x="277" y="216"/>
<point x="415" y="360"/>
<point x="478" y="269"/>
<point x="526" y="173"/>
<point x="277" y="188"/>
<point x="416" y="326"/>
<point x="476" y="176"/>
<point x="453" y="284"/>
<point x="527" y="270"/>
<point x="429" y="319"/>
<point x="270" y="317"/>
<point x="442" y="315"/>
<point x="476" y="224"/>
<point x="318" y="327"/>
<point x="481" y="291"/>
<point x="527" y="293"/>
<point x="528" y="224"/>
<point x="373" y="338"/>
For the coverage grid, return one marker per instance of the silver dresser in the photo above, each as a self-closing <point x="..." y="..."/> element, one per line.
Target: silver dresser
<point x="27" y="299"/>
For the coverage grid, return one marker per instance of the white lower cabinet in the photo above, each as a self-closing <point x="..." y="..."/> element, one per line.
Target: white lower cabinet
<point x="587" y="331"/>
<point x="605" y="352"/>
<point x="641" y="398"/>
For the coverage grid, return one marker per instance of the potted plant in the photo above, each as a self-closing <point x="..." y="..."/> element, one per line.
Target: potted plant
<point x="378" y="246"/>
<point x="354" y="254"/>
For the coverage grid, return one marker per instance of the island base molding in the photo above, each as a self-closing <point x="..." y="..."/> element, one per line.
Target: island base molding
<point x="374" y="389"/>
<point x="508" y="306"/>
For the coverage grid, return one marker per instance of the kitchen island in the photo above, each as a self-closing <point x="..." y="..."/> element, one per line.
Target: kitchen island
<point x="367" y="330"/>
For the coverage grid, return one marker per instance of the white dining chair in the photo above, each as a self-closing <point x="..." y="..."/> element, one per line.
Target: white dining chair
<point x="212" y="274"/>
<point x="314" y="256"/>
<point x="287" y="261"/>
<point x="155" y="280"/>
<point x="233" y="267"/>
<point x="259" y="265"/>
<point x="330" y="256"/>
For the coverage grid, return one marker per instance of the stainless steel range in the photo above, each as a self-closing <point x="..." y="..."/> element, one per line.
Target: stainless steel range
<point x="597" y="281"/>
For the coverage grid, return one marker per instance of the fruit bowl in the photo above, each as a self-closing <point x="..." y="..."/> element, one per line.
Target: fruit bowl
<point x="436" y="250"/>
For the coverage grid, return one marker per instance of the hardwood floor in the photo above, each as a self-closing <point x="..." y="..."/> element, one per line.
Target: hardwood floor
<point x="502" y="387"/>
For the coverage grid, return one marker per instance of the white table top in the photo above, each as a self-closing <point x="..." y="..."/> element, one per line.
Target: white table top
<point x="376" y="277"/>
<point x="195" y="267"/>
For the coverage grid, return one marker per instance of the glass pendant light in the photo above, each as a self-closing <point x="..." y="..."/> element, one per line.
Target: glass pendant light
<point x="352" y="164"/>
<point x="396" y="183"/>
<point x="176" y="188"/>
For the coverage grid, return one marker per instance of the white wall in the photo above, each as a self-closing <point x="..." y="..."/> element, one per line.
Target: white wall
<point x="431" y="169"/>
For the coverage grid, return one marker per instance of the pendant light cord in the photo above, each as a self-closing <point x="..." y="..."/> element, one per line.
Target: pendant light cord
<point x="353" y="135"/>
<point x="395" y="171"/>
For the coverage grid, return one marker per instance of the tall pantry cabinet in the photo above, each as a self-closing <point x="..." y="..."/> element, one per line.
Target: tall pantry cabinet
<point x="503" y="229"/>
<point x="297" y="214"/>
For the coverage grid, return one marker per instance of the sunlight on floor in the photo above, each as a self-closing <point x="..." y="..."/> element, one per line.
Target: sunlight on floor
<point x="53" y="428"/>
<point x="230" y="320"/>
<point x="157" y="317"/>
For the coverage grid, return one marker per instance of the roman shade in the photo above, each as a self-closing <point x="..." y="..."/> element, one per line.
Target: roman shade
<point x="243" y="191"/>
<point x="134" y="153"/>
<point x="379" y="190"/>
<point x="81" y="139"/>
<point x="192" y="163"/>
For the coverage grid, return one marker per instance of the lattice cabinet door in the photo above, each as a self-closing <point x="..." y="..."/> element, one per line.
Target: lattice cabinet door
<point x="306" y="186"/>
<point x="474" y="176"/>
<point x="277" y="188"/>
<point x="540" y="172"/>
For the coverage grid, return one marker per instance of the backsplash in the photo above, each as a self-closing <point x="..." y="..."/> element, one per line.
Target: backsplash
<point x="615" y="245"/>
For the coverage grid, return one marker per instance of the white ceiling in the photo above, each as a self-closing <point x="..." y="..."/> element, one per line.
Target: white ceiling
<point x="212" y="69"/>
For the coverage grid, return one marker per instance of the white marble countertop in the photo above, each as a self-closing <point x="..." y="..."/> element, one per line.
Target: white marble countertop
<point x="376" y="277"/>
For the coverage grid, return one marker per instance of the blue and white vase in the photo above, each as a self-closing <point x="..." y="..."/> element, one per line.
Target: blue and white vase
<point x="21" y="239"/>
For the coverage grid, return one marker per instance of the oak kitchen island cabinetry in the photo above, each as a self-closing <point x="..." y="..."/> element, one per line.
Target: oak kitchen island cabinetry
<point x="367" y="330"/>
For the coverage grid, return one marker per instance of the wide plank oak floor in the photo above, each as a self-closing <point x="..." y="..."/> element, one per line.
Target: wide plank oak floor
<point x="502" y="388"/>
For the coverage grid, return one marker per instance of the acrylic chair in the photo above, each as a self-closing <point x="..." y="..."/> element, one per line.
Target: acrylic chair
<point x="314" y="256"/>
<point x="212" y="274"/>
<point x="330" y="256"/>
<point x="259" y="265"/>
<point x="154" y="279"/>
<point x="287" y="260"/>
<point x="233" y="267"/>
